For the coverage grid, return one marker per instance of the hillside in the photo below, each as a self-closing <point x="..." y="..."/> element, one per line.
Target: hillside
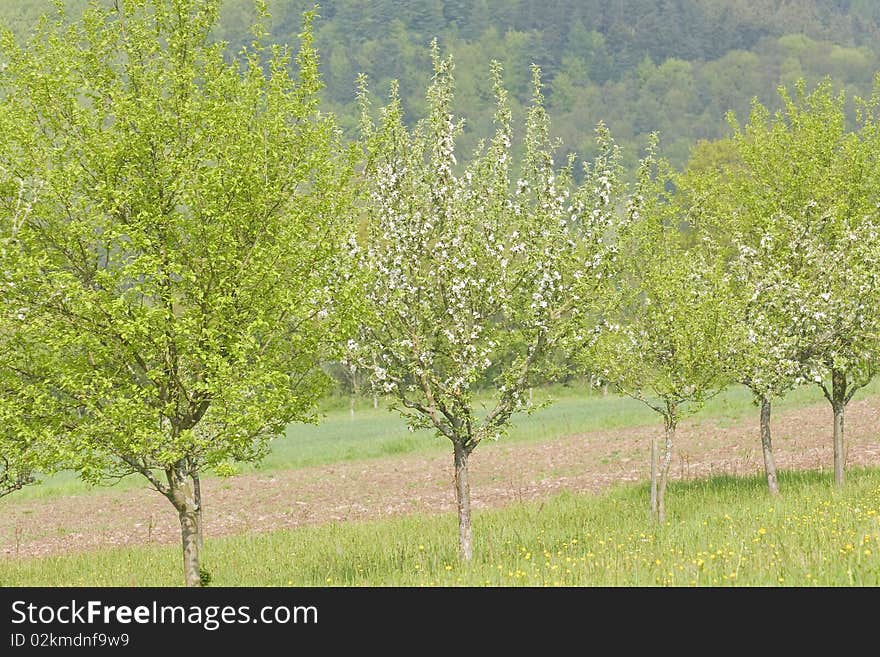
<point x="674" y="66"/>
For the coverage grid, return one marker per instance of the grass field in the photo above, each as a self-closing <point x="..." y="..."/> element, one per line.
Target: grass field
<point x="378" y="432"/>
<point x="721" y="531"/>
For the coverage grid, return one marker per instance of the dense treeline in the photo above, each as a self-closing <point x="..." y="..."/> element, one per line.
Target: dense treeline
<point x="673" y="66"/>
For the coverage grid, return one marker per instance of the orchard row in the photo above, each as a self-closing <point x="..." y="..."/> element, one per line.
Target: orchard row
<point x="186" y="238"/>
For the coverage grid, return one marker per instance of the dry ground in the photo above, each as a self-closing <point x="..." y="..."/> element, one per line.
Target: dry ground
<point x="383" y="487"/>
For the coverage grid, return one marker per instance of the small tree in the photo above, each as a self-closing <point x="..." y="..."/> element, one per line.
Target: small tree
<point x="806" y="230"/>
<point x="184" y="248"/>
<point x="462" y="269"/>
<point x="762" y="351"/>
<point x="666" y="333"/>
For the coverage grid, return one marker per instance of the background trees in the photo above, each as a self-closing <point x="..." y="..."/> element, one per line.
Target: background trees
<point x="183" y="250"/>
<point x="639" y="65"/>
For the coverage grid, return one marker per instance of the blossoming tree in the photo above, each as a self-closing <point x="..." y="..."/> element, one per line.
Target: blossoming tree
<point x="763" y="352"/>
<point x="805" y="213"/>
<point x="764" y="346"/>
<point x="466" y="267"/>
<point x="183" y="250"/>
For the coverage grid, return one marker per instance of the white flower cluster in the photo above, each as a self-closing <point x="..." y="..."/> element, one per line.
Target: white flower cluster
<point x="810" y="302"/>
<point x="471" y="277"/>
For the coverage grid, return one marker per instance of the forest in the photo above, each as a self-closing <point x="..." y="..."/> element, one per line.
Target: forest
<point x="672" y="66"/>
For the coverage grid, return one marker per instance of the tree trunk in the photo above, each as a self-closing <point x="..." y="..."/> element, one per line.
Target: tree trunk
<point x="653" y="478"/>
<point x="767" y="446"/>
<point x="197" y="498"/>
<point x="181" y="493"/>
<point x="838" y="445"/>
<point x="463" y="501"/>
<point x="838" y="404"/>
<point x="189" y="535"/>
<point x="664" y="470"/>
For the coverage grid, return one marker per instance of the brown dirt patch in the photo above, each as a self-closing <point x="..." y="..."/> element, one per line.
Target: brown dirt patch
<point x="378" y="488"/>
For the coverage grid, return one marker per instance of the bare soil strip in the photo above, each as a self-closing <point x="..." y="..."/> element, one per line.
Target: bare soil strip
<point x="379" y="488"/>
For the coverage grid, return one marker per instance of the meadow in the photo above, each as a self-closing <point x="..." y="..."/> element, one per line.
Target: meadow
<point x="377" y="432"/>
<point x="722" y="531"/>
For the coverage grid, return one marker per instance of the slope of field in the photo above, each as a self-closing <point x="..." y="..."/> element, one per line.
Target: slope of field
<point x="723" y="531"/>
<point x="502" y="473"/>
<point x="376" y="432"/>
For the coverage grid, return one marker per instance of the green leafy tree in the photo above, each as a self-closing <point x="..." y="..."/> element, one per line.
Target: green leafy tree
<point x="665" y="333"/>
<point x="29" y="415"/>
<point x="467" y="269"/>
<point x="32" y="417"/>
<point x="762" y="349"/>
<point x="184" y="250"/>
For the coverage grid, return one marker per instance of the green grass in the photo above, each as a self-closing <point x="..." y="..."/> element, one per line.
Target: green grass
<point x="721" y="531"/>
<point x="379" y="432"/>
